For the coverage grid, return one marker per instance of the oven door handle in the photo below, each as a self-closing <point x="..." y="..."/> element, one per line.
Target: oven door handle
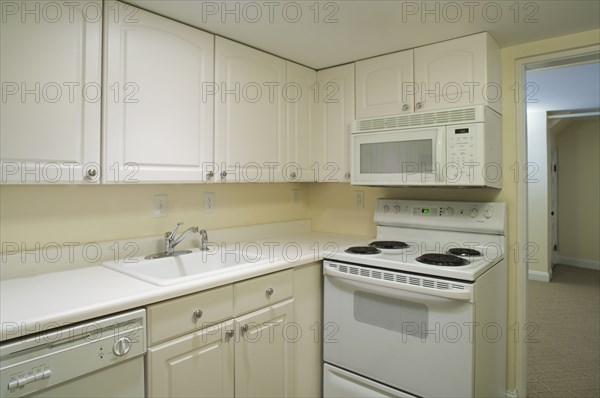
<point x="465" y="295"/>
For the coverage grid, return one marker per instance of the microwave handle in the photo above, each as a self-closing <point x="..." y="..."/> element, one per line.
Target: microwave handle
<point x="464" y="295"/>
<point x="440" y="153"/>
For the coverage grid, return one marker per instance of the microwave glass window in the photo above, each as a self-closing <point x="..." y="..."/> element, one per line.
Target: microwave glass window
<point x="397" y="157"/>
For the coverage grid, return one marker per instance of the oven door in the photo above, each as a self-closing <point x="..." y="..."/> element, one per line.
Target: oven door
<point x="401" y="157"/>
<point x="413" y="340"/>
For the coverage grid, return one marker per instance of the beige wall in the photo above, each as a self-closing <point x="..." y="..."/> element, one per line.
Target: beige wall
<point x="579" y="190"/>
<point x="89" y="213"/>
<point x="45" y="214"/>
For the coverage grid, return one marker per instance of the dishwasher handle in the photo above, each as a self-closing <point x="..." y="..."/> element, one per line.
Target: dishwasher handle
<point x="400" y="281"/>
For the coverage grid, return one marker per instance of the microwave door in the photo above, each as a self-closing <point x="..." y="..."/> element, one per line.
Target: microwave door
<point x="399" y="158"/>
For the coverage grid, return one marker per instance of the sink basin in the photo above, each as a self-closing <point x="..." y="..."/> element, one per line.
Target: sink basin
<point x="176" y="269"/>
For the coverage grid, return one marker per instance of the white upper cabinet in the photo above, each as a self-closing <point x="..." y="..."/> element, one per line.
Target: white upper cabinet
<point x="50" y="67"/>
<point x="158" y="120"/>
<point x="333" y="117"/>
<point x="299" y="94"/>
<point x="384" y="85"/>
<point x="250" y="128"/>
<point x="455" y="73"/>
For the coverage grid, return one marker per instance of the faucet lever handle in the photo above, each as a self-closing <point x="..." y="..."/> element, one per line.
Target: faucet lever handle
<point x="172" y="234"/>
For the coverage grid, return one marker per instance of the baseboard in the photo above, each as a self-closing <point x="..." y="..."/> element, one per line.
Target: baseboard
<point x="539" y="276"/>
<point x="578" y="262"/>
<point x="512" y="394"/>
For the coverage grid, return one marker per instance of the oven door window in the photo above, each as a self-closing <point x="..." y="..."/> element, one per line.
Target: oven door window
<point x="408" y="318"/>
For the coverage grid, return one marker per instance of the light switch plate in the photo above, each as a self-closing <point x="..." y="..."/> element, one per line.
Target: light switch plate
<point x="161" y="205"/>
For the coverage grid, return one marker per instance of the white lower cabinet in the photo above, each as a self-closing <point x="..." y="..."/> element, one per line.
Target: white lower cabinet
<point x="198" y="364"/>
<point x="251" y="353"/>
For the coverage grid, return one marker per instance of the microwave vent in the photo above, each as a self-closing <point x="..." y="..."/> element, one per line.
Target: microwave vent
<point x="416" y="120"/>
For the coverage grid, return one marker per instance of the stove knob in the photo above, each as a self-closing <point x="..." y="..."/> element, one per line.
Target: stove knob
<point x="488" y="213"/>
<point x="396" y="209"/>
<point x="449" y="211"/>
<point x="474" y="212"/>
<point x="386" y="208"/>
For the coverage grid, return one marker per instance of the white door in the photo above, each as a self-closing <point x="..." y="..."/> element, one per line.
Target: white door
<point x="554" y="205"/>
<point x="199" y="364"/>
<point x="158" y="121"/>
<point x="249" y="114"/>
<point x="384" y="85"/>
<point x="51" y="88"/>
<point x="450" y="74"/>
<point x="333" y="122"/>
<point x="298" y="95"/>
<point x="264" y="352"/>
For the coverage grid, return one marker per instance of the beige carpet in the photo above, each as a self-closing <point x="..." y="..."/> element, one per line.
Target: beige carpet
<point x="564" y="348"/>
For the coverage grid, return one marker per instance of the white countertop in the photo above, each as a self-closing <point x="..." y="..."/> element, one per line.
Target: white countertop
<point x="40" y="302"/>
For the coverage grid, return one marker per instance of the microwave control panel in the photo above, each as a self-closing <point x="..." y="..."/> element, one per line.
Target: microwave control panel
<point x="464" y="154"/>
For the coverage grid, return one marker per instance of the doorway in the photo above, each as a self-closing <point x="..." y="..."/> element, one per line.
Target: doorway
<point x="535" y="200"/>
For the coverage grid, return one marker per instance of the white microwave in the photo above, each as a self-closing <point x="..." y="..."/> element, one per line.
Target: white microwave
<point x="457" y="147"/>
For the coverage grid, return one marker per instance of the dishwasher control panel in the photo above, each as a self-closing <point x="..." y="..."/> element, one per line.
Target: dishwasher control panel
<point x="38" y="362"/>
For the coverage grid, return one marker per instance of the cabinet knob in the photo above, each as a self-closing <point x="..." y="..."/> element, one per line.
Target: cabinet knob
<point x="210" y="174"/>
<point x="347" y="176"/>
<point x="244" y="328"/>
<point x="229" y="333"/>
<point x="269" y="291"/>
<point x="293" y="175"/>
<point x="419" y="105"/>
<point x="223" y="174"/>
<point x="91" y="174"/>
<point x="198" y="314"/>
<point x="405" y="107"/>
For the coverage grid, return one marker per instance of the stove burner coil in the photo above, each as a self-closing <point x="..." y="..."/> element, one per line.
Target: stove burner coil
<point x="388" y="244"/>
<point x="464" y="252"/>
<point x="447" y="260"/>
<point x="363" y="250"/>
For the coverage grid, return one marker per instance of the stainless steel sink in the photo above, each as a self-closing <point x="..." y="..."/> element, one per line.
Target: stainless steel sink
<point x="169" y="270"/>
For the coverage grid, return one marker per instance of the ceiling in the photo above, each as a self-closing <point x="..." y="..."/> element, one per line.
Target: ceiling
<point x="322" y="33"/>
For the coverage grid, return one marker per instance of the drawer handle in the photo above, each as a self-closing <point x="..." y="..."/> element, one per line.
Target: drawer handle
<point x="269" y="291"/>
<point x="229" y="333"/>
<point x="244" y="328"/>
<point x="197" y="314"/>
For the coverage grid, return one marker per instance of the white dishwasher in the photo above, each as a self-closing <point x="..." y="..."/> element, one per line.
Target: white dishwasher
<point x="98" y="358"/>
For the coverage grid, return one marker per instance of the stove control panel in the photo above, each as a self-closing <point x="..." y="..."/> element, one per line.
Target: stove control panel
<point x="487" y="217"/>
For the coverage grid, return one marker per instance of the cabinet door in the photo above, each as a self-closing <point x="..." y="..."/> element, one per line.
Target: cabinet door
<point x="264" y="356"/>
<point x="451" y="74"/>
<point x="50" y="70"/>
<point x="200" y="364"/>
<point x="384" y="85"/>
<point x="249" y="114"/>
<point x="333" y="120"/>
<point x="298" y="94"/>
<point x="158" y="125"/>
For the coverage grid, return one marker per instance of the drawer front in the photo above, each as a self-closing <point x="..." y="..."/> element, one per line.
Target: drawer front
<point x="263" y="291"/>
<point x="185" y="314"/>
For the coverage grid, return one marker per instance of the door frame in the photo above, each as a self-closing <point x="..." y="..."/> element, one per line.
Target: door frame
<point x="565" y="57"/>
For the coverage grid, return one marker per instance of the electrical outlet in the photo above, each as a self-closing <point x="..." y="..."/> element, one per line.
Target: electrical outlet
<point x="209" y="202"/>
<point x="359" y="199"/>
<point x="161" y="206"/>
<point x="294" y="197"/>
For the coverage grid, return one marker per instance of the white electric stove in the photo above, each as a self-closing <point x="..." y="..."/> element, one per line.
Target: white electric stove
<point x="421" y="309"/>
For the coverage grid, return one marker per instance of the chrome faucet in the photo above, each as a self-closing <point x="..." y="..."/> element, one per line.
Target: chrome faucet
<point x="204" y="236"/>
<point x="171" y="241"/>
